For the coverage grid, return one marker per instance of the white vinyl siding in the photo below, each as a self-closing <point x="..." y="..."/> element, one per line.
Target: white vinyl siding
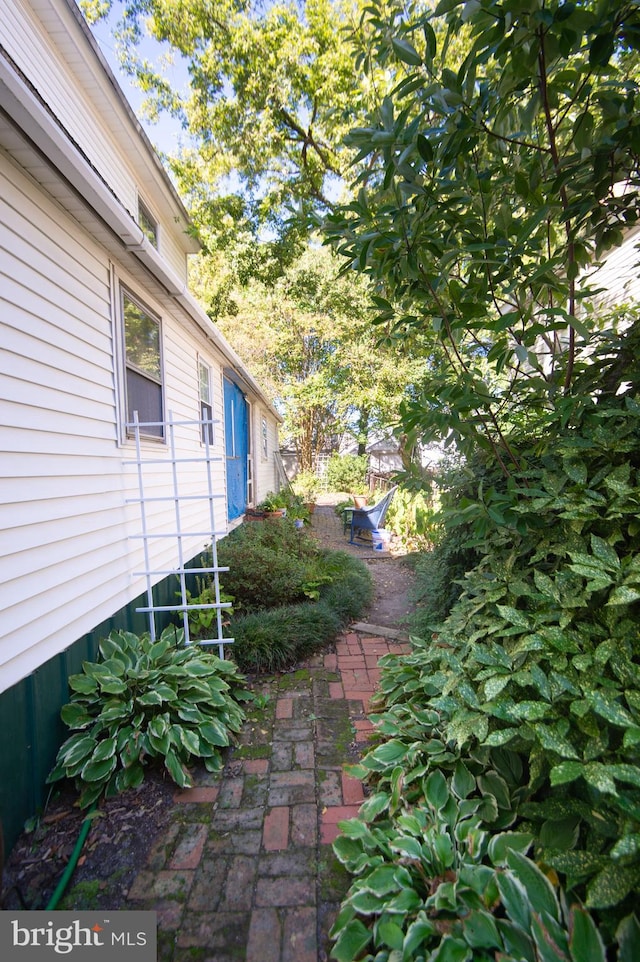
<point x="63" y="84"/>
<point x="619" y="274"/>
<point x="68" y="548"/>
<point x="265" y="479"/>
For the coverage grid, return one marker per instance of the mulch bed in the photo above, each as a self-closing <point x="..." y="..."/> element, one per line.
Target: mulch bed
<point x="122" y="834"/>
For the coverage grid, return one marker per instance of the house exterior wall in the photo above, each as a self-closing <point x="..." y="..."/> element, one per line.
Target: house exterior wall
<point x="68" y="533"/>
<point x="71" y="162"/>
<point x="77" y="90"/>
<point x="265" y="433"/>
<point x="619" y="274"/>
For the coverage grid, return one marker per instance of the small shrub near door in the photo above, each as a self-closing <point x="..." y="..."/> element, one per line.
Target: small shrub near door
<point x="290" y="597"/>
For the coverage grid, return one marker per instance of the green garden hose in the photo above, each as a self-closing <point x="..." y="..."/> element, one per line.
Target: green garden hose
<point x="73" y="861"/>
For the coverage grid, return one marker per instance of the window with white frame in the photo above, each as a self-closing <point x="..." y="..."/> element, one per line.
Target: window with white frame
<point x="143" y="366"/>
<point x="148" y="223"/>
<point x="206" y="401"/>
<point x="264" y="437"/>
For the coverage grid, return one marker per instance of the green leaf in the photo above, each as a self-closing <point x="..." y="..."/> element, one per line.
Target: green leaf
<point x="417" y="936"/>
<point x="214" y="733"/>
<point x="389" y="753"/>
<point x="463" y="782"/>
<point x="559" y="834"/>
<point x="149" y="699"/>
<point x="75" y="715"/>
<point x="599" y="777"/>
<point x="504" y="842"/>
<point x="75" y="749"/>
<point x="565" y="772"/>
<point x="623" y="595"/>
<point x="83" y="684"/>
<point x="98" y="771"/>
<point x="550" y="939"/>
<point x="374" y="805"/>
<point x="551" y="739"/>
<point x="351" y="942"/>
<point x="605" y="553"/>
<point x="628" y="939"/>
<point x="391" y="934"/>
<point x="424" y="148"/>
<point x="450" y="950"/>
<point x="381" y="880"/>
<point x="405" y="52"/>
<point x="513" y="616"/>
<point x="537" y="886"/>
<point x="611" y="886"/>
<point x="189" y="740"/>
<point x="445" y="6"/>
<point x="105" y="749"/>
<point x="480" y="930"/>
<point x="608" y="706"/>
<point x="175" y="768"/>
<point x="515" y="900"/>
<point x="628" y="845"/>
<point x="436" y="790"/>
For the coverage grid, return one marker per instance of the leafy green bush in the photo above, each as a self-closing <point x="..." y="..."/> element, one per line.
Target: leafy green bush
<point x="347" y="472"/>
<point x="439" y="581"/>
<point x="540" y="656"/>
<point x="350" y="590"/>
<point x="146" y="700"/>
<point x="411" y="518"/>
<point x="203" y="620"/>
<point x="274" y="640"/>
<point x="339" y="587"/>
<point x="307" y="485"/>
<point x="267" y="563"/>
<point x="432" y="882"/>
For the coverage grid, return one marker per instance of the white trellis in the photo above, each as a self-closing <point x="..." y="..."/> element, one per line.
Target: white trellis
<point x="179" y="532"/>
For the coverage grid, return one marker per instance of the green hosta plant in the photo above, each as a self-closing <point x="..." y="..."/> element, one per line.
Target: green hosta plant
<point x="201" y="620"/>
<point x="147" y="700"/>
<point x="432" y="883"/>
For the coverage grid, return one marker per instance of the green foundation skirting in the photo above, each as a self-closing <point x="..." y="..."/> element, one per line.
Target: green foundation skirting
<point x="30" y="727"/>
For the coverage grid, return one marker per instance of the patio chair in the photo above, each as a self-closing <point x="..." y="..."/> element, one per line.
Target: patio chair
<point x="367" y="519"/>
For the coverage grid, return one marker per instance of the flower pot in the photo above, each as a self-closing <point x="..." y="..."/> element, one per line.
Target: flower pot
<point x="276" y="513"/>
<point x="310" y="506"/>
<point x="360" y="500"/>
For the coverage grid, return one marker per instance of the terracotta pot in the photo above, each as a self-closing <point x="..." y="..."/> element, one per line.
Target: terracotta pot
<point x="278" y="513"/>
<point x="360" y="500"/>
<point x="310" y="506"/>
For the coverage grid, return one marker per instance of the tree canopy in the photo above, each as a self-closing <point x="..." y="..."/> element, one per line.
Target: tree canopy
<point x="307" y="336"/>
<point x="270" y="97"/>
<point x="490" y="184"/>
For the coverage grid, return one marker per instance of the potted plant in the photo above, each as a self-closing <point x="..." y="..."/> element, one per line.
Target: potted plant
<point x="274" y="505"/>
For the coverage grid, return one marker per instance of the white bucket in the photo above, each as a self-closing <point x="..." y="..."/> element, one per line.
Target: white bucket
<point x="380" y="538"/>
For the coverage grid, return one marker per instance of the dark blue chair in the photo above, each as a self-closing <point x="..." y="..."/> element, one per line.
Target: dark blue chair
<point x="367" y="519"/>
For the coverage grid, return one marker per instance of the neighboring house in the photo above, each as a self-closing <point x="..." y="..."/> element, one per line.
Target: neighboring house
<point x="96" y="322"/>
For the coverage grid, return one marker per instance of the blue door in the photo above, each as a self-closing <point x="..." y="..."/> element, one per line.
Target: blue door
<point x="236" y="431"/>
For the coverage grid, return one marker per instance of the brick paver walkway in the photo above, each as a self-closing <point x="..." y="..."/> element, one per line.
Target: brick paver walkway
<point x="246" y="872"/>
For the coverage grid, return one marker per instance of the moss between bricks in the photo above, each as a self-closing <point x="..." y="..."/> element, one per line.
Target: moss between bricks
<point x="333" y="878"/>
<point x="252" y="751"/>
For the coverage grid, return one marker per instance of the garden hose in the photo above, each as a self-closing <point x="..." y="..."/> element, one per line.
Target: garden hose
<point x="73" y="861"/>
